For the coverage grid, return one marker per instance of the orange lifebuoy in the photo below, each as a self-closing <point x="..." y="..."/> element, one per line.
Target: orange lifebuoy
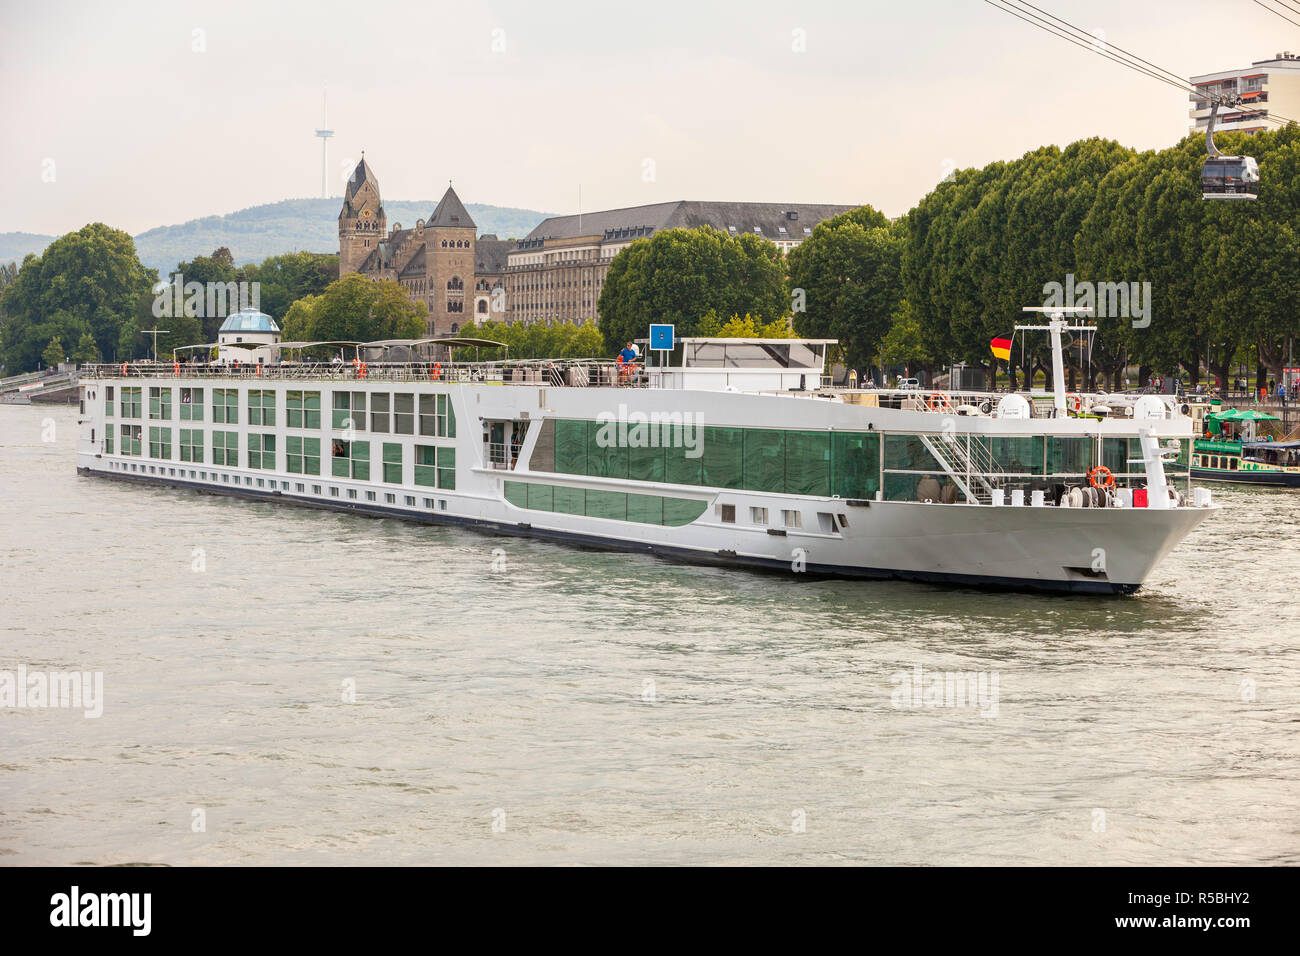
<point x="435" y="373"/>
<point x="361" y="372"/>
<point x="1099" y="476"/>
<point x="1078" y="403"/>
<point x="176" y="369"/>
<point x="124" y="370"/>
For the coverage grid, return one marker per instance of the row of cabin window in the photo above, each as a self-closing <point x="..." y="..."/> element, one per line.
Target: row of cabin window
<point x="817" y="463"/>
<point x="388" y="414"/>
<point x="435" y="466"/>
<point x="616" y="505"/>
<point x="395" y="413"/>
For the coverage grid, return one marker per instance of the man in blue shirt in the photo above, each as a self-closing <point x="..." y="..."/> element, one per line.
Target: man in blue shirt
<point x="629" y="353"/>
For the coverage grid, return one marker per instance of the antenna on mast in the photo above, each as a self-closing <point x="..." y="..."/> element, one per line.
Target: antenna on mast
<point x="1055" y="326"/>
<point x="324" y="135"/>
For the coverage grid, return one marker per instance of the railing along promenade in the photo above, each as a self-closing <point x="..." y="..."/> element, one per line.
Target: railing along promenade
<point x="577" y="373"/>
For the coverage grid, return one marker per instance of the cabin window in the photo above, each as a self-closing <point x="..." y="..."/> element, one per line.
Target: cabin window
<point x="352" y="492"/>
<point x="350" y="410"/>
<point x="108" y="399"/>
<point x="392" y="463"/>
<point x="1232" y="464"/>
<point x="351" y="459"/>
<point x="225" y="448"/>
<point x="380" y="420"/>
<point x="792" y="519"/>
<point x="370" y="496"/>
<point x="191" y="405"/>
<point x="225" y="406"/>
<point x="390" y="499"/>
<point x="758" y="515"/>
<point x="261" y="407"/>
<point x="108" y="438"/>
<point x="131" y="439"/>
<point x="826" y="522"/>
<point x="129" y="406"/>
<point x="727" y="514"/>
<point x="404" y="413"/>
<point x="435" y="466"/>
<point x="192" y="444"/>
<point x="437" y="418"/>
<point x="302" y="455"/>
<point x="410" y="501"/>
<point x="261" y="451"/>
<point x="302" y="409"/>
<point x="160" y="404"/>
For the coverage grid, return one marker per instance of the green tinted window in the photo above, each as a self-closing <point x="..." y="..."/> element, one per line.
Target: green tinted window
<point x="426" y="465"/>
<point x="605" y="456"/>
<point x="808" y="463"/>
<point x="855" y="462"/>
<point x="392" y="463"/>
<point x="1069" y="455"/>
<point x="644" y="509"/>
<point x="908" y="453"/>
<point x="764" y="462"/>
<point x="160" y="442"/>
<point x="571" y="447"/>
<point x="724" y="457"/>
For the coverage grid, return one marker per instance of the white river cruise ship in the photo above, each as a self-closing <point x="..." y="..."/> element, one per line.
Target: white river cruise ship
<point x="736" y="453"/>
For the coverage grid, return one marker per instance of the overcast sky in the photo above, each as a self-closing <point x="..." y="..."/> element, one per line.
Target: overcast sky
<point x="149" y="113"/>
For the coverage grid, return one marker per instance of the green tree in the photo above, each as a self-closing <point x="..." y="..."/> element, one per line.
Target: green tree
<point x="904" y="344"/>
<point x="88" y="280"/>
<point x="355" y="309"/>
<point x="680" y="275"/>
<point x="53" y="353"/>
<point x="848" y="275"/>
<point x="86" y="350"/>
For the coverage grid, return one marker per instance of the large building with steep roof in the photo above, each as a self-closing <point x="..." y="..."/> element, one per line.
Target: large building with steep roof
<point x="554" y="274"/>
<point x="434" y="261"/>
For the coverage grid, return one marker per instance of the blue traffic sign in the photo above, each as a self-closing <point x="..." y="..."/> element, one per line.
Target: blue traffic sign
<point x="661" y="338"/>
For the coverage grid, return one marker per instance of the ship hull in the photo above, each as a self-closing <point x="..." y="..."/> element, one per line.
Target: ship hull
<point x="1269" y="479"/>
<point x="1058" y="550"/>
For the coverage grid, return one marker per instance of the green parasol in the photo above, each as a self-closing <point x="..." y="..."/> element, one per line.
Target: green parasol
<point x="1246" y="415"/>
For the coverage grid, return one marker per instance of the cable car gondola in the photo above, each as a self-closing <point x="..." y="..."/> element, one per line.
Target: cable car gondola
<point x="1227" y="177"/>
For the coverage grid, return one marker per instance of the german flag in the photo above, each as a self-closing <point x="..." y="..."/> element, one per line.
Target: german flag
<point x="1001" y="349"/>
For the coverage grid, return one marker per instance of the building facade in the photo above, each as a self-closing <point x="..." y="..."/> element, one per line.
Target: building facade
<point x="1265" y="87"/>
<point x="554" y="274"/>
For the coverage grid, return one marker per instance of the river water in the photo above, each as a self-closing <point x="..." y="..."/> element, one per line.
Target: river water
<point x="286" y="686"/>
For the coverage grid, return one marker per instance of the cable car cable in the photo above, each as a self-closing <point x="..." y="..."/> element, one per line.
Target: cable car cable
<point x="1155" y="72"/>
<point x="1275" y="13"/>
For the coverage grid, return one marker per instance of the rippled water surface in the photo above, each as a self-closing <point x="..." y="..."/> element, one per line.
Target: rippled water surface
<point x="607" y="708"/>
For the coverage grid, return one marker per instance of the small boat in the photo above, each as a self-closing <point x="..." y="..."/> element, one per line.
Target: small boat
<point x="1275" y="463"/>
<point x="1238" y="456"/>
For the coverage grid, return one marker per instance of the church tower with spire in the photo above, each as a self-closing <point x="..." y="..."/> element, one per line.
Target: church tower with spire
<point x="362" y="223"/>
